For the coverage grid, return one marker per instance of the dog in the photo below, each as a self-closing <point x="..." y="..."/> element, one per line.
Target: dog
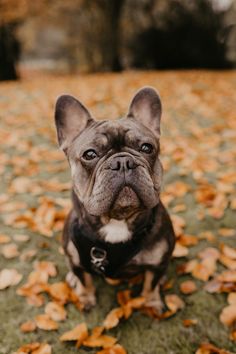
<point x="118" y="226"/>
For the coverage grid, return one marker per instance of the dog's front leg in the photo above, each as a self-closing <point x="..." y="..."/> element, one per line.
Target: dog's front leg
<point x="84" y="288"/>
<point x="152" y="294"/>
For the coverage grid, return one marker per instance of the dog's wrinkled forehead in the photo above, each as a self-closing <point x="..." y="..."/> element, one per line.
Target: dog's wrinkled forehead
<point x="113" y="135"/>
<point x="74" y="121"/>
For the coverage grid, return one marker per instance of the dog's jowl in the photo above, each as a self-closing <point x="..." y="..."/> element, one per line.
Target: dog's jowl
<point x="118" y="226"/>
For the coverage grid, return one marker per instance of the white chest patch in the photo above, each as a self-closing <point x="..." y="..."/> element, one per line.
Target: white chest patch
<point x="153" y="256"/>
<point x="115" y="231"/>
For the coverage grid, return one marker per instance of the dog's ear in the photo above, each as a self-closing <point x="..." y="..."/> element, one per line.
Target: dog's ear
<point x="146" y="108"/>
<point x="71" y="118"/>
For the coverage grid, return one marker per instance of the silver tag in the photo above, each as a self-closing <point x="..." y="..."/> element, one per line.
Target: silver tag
<point x="98" y="259"/>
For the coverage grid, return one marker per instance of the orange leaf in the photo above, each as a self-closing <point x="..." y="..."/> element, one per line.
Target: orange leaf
<point x="115" y="349"/>
<point x="189" y="322"/>
<point x="174" y="302"/>
<point x="44" y="322"/>
<point x="101" y="341"/>
<point x="228" y="315"/>
<point x="80" y="332"/>
<point x="28" y="326"/>
<point x="55" y="311"/>
<point x="113" y="317"/>
<point x="188" y="287"/>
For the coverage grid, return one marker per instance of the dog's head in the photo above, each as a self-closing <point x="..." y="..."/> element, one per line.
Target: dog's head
<point x="115" y="165"/>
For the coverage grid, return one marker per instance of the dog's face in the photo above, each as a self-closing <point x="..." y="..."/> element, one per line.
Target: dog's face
<point x="115" y="165"/>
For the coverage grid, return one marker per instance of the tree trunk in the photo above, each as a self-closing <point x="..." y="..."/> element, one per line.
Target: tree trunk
<point x="9" y="52"/>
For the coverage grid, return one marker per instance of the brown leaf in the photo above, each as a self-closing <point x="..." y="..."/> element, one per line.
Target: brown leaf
<point x="232" y="298"/>
<point x="115" y="349"/>
<point x="4" y="239"/>
<point x="113" y="317"/>
<point x="55" y="311"/>
<point x="228" y="315"/>
<point x="45" y="322"/>
<point x="10" y="251"/>
<point x="207" y="348"/>
<point x="180" y="251"/>
<point x="43" y="349"/>
<point x="228" y="262"/>
<point x="60" y="292"/>
<point x="21" y="238"/>
<point x="46" y="267"/>
<point x="227" y="276"/>
<point x="29" y="326"/>
<point x="225" y="232"/>
<point x="79" y="333"/>
<point x="101" y="341"/>
<point x="189" y="322"/>
<point x="228" y="251"/>
<point x="28" y="348"/>
<point x="174" y="302"/>
<point x="188" y="287"/>
<point x="9" y="277"/>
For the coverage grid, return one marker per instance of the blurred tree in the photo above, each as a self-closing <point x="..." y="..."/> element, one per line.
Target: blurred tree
<point x="187" y="35"/>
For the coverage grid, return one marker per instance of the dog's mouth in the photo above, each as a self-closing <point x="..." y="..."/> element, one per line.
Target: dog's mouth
<point x="126" y="199"/>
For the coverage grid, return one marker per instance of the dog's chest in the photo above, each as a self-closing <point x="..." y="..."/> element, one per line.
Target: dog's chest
<point x="115" y="231"/>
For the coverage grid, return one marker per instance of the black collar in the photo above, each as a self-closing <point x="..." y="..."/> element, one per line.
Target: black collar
<point x="98" y="256"/>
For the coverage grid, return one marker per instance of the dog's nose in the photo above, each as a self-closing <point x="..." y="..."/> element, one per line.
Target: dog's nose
<point x="122" y="163"/>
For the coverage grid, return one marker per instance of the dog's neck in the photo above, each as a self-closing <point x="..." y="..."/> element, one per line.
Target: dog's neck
<point x="111" y="229"/>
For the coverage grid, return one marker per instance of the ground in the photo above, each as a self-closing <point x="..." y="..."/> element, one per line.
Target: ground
<point x="197" y="149"/>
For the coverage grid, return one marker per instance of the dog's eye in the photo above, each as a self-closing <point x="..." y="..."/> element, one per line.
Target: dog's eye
<point x="147" y="148"/>
<point x="89" y="154"/>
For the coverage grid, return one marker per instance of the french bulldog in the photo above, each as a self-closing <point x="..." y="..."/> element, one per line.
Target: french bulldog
<point x="118" y="226"/>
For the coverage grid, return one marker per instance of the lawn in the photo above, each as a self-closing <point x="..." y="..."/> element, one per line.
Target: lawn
<point x="198" y="148"/>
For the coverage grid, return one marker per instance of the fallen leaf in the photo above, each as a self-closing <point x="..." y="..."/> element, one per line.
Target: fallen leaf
<point x="188" y="287"/>
<point x="180" y="251"/>
<point x="115" y="349"/>
<point x="9" y="277"/>
<point x="228" y="251"/>
<point x="43" y="349"/>
<point x="28" y="348"/>
<point x="60" y="292"/>
<point x="55" y="311"/>
<point x="101" y="341"/>
<point x="45" y="322"/>
<point x="207" y="348"/>
<point x="225" y="232"/>
<point x="228" y="315"/>
<point x="79" y="333"/>
<point x="232" y="298"/>
<point x="10" y="251"/>
<point x="228" y="262"/>
<point x="174" y="302"/>
<point x="29" y="326"/>
<point x="113" y="317"/>
<point x="21" y="238"/>
<point x="4" y="239"/>
<point x="190" y="322"/>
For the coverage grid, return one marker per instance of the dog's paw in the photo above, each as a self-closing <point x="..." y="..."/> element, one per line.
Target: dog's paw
<point x="86" y="295"/>
<point x="155" y="302"/>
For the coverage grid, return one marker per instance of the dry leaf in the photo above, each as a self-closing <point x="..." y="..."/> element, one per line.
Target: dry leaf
<point x="228" y="315"/>
<point x="174" y="302"/>
<point x="180" y="251"/>
<point x="207" y="348"/>
<point x="188" y="287"/>
<point x="228" y="262"/>
<point x="43" y="349"/>
<point x="60" y="292"/>
<point x="80" y="332"/>
<point x="45" y="322"/>
<point x="101" y="341"/>
<point x="4" y="239"/>
<point x="29" y="326"/>
<point x="190" y="322"/>
<point x="28" y="348"/>
<point x="115" y="349"/>
<point x="10" y="251"/>
<point x="228" y="251"/>
<point x="113" y="317"/>
<point x="232" y="298"/>
<point x="21" y="238"/>
<point x="9" y="277"/>
<point x="55" y="311"/>
<point x="225" y="232"/>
